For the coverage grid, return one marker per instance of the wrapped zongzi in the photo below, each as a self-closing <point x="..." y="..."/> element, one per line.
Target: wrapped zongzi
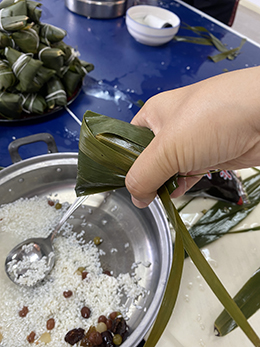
<point x="24" y="67"/>
<point x="27" y="40"/>
<point x="55" y="93"/>
<point x="7" y="77"/>
<point x="53" y="58"/>
<point x="10" y="105"/>
<point x="33" y="103"/>
<point x="50" y="34"/>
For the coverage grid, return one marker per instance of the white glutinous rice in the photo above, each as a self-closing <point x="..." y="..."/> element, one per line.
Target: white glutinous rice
<point x="101" y="293"/>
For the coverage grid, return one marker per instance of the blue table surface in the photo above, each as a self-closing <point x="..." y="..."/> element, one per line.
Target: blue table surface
<point x="125" y="71"/>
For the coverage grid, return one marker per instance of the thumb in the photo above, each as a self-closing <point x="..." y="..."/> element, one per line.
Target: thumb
<point x="148" y="173"/>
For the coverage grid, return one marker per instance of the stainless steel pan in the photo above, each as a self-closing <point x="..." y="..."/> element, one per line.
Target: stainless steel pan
<point x="138" y="236"/>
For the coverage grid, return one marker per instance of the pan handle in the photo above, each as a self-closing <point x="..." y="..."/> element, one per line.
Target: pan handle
<point x="45" y="137"/>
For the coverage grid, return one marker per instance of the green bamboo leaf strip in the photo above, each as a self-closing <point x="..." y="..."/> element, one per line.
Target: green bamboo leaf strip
<point x="217" y="43"/>
<point x="251" y="185"/>
<point x="247" y="299"/>
<point x="229" y="54"/>
<point x="207" y="38"/>
<point x="91" y="147"/>
<point x="140" y="103"/>
<point x="196" y="29"/>
<point x="224" y="55"/>
<point x="173" y="284"/>
<point x="191" y="39"/>
<point x="185" y="204"/>
<point x="224" y="216"/>
<point x="218" y="221"/>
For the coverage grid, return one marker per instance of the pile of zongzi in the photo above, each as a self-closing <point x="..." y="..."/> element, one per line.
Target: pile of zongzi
<point x="38" y="70"/>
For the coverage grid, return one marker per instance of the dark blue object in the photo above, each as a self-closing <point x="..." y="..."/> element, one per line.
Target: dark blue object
<point x="125" y="71"/>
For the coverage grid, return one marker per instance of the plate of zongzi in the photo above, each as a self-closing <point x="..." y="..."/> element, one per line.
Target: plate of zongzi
<point x="39" y="72"/>
<point x="34" y="116"/>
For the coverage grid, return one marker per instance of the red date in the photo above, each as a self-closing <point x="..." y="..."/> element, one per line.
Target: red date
<point x="75" y="335"/>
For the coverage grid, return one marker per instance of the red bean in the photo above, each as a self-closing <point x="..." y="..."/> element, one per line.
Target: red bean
<point x="50" y="324"/>
<point x="107" y="272"/>
<point x="109" y="323"/>
<point x="84" y="274"/>
<point x="67" y="294"/>
<point x="102" y="318"/>
<point x="85" y="312"/>
<point x="23" y="311"/>
<point x="113" y="315"/>
<point x="31" y="337"/>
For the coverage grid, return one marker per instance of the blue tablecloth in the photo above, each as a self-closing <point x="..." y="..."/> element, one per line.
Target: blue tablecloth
<point x="125" y="71"/>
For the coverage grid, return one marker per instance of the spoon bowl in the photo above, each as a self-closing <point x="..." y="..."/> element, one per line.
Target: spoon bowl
<point x="30" y="261"/>
<point x="33" y="250"/>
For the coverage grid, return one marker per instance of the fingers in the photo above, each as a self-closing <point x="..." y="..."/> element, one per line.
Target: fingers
<point x="159" y="161"/>
<point x="148" y="173"/>
<point x="185" y="183"/>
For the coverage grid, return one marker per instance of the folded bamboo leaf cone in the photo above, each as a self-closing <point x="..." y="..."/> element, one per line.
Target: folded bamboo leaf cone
<point x="107" y="149"/>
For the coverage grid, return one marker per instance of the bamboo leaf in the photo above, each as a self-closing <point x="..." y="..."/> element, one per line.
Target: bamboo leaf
<point x="229" y="54"/>
<point x="140" y="103"/>
<point x="99" y="154"/>
<point x="192" y="39"/>
<point x="248" y="299"/>
<point x="205" y="37"/>
<point x="174" y="280"/>
<point x="196" y="29"/>
<point x="224" y="216"/>
<point x="217" y="43"/>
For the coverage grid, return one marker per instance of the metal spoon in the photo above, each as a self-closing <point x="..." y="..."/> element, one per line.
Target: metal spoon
<point x="34" y="250"/>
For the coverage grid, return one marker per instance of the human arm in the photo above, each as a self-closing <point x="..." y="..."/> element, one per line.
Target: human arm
<point x="213" y="124"/>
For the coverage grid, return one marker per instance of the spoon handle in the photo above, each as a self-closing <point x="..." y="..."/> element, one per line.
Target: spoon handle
<point x="79" y="201"/>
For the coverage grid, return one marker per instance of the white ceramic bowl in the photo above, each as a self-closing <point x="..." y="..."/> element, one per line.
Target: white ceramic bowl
<point x="145" y="24"/>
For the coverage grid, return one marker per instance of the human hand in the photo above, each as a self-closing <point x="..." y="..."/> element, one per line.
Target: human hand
<point x="213" y="124"/>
